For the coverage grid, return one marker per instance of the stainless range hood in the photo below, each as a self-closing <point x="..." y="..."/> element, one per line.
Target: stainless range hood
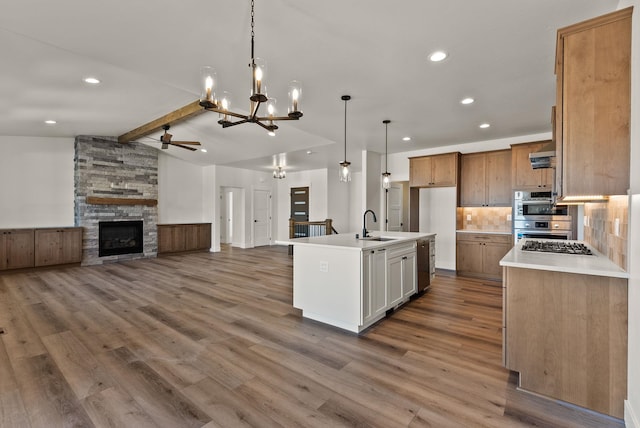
<point x="544" y="157"/>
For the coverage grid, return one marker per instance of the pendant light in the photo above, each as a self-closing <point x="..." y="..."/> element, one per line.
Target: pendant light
<point x="386" y="175"/>
<point x="345" y="172"/>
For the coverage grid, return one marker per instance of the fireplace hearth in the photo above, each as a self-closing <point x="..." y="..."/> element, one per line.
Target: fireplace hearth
<point x="120" y="237"/>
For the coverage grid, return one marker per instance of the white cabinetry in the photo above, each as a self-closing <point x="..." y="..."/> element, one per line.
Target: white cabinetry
<point x="350" y="283"/>
<point x="401" y="273"/>
<point x="374" y="289"/>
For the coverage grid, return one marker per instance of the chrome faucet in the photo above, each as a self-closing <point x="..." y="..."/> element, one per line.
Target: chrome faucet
<point x="365" y="233"/>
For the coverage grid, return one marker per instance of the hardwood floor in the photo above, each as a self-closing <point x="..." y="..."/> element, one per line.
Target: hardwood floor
<point x="212" y="340"/>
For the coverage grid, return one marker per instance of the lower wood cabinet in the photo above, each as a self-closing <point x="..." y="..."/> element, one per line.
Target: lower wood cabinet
<point x="173" y="238"/>
<point x="58" y="246"/>
<point x="479" y="254"/>
<point x="16" y="248"/>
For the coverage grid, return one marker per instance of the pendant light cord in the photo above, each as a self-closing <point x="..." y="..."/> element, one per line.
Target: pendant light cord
<point x="253" y="63"/>
<point x="345" y="130"/>
<point x="386" y="152"/>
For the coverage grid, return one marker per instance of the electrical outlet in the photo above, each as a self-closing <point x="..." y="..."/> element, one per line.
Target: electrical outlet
<point x="585" y="221"/>
<point x="468" y="217"/>
<point x="324" y="266"/>
<point x="616" y="227"/>
<point x="508" y="217"/>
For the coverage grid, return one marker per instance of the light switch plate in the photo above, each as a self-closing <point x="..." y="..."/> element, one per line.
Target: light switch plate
<point x="616" y="227"/>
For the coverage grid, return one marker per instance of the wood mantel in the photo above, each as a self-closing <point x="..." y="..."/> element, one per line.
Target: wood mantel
<point x="94" y="200"/>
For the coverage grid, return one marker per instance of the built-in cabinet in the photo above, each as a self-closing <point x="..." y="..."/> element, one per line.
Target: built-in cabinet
<point x="485" y="179"/>
<point x="374" y="289"/>
<point x="593" y="106"/>
<point x="479" y="254"/>
<point x="58" y="246"/>
<point x="524" y="177"/>
<point x="16" y="248"/>
<point x="173" y="238"/>
<point x="27" y="248"/>
<point x="389" y="277"/>
<point x="434" y="171"/>
<point x="566" y="335"/>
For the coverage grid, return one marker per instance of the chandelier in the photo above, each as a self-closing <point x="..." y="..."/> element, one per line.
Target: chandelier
<point x="386" y="175"/>
<point x="279" y="173"/>
<point x="222" y="105"/>
<point x="345" y="172"/>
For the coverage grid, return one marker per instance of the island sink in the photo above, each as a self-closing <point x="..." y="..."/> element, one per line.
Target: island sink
<point x="377" y="238"/>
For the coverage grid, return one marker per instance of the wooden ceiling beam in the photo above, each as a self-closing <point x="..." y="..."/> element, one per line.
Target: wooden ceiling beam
<point x="190" y="110"/>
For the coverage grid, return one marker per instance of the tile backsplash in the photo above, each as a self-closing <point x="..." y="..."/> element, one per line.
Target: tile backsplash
<point x="606" y="227"/>
<point x="484" y="218"/>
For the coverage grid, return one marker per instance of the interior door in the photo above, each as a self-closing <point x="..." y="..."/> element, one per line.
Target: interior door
<point x="261" y="217"/>
<point x="394" y="208"/>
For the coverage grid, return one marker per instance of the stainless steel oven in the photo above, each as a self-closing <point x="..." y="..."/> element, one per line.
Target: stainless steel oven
<point x="536" y="205"/>
<point x="535" y="215"/>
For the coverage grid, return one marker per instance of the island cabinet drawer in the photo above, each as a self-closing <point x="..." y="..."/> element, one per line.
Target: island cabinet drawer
<point x="400" y="249"/>
<point x="485" y="237"/>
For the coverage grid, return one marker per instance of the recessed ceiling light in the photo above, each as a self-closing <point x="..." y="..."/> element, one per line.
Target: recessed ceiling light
<point x="92" y="80"/>
<point x="50" y="122"/>
<point x="406" y="138"/>
<point x="484" y="125"/>
<point x="309" y="152"/>
<point x="438" y="56"/>
<point x="468" y="100"/>
<point x="203" y="150"/>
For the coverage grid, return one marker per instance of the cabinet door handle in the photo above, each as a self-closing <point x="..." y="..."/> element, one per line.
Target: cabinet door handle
<point x="405" y="258"/>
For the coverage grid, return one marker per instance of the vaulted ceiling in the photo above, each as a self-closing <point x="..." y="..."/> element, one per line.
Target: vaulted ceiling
<point x="148" y="55"/>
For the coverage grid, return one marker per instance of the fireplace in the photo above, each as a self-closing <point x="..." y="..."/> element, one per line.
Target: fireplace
<point x="119" y="237"/>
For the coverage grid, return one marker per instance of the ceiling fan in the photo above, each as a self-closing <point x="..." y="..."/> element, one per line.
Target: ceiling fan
<point x="165" y="139"/>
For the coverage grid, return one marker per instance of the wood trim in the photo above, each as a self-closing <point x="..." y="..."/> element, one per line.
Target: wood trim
<point x="93" y="200"/>
<point x="190" y="110"/>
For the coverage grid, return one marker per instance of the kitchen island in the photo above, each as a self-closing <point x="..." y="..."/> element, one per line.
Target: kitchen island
<point x="565" y="326"/>
<point x="351" y="283"/>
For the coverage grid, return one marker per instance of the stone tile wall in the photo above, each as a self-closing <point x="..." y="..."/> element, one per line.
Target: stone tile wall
<point x="600" y="228"/>
<point x="484" y="218"/>
<point x="107" y="169"/>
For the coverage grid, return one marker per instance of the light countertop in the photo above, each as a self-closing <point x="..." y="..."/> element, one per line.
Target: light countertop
<point x="492" y="232"/>
<point x="597" y="264"/>
<point x="348" y="240"/>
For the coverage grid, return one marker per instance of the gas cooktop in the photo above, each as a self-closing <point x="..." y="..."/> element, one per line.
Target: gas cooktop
<point x="561" y="247"/>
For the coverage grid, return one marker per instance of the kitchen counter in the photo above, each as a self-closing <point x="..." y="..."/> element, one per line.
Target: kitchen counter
<point x="349" y="241"/>
<point x="597" y="264"/>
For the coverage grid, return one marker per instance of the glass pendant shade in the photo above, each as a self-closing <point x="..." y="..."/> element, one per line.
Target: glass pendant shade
<point x="386" y="180"/>
<point x="209" y="84"/>
<point x="345" y="172"/>
<point x="259" y="90"/>
<point x="295" y="98"/>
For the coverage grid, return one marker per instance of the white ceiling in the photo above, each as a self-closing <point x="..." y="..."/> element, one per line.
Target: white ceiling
<point x="148" y="56"/>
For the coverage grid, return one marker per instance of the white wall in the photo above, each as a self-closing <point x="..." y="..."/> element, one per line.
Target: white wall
<point x="180" y="191"/>
<point x="438" y="215"/>
<point x="632" y="406"/>
<point x="338" y="205"/>
<point x="356" y="201"/>
<point x="36" y="182"/>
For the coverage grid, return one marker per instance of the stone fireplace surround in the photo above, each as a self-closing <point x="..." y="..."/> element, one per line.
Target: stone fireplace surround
<point x="106" y="169"/>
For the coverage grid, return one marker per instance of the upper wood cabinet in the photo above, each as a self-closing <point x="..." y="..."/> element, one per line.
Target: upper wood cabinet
<point x="16" y="248"/>
<point x="485" y="179"/>
<point x="593" y="61"/>
<point x="523" y="176"/>
<point x="58" y="246"/>
<point x="434" y="171"/>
